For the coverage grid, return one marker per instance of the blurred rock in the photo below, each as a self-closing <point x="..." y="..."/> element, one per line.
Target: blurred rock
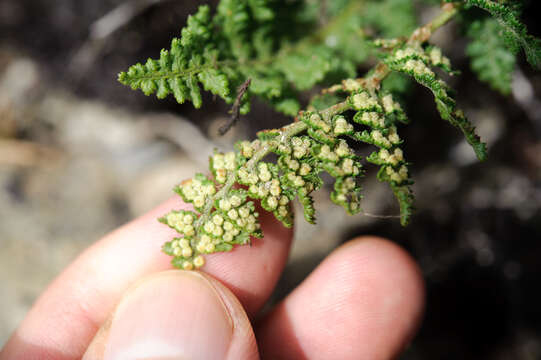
<point x="157" y="182"/>
<point x="113" y="166"/>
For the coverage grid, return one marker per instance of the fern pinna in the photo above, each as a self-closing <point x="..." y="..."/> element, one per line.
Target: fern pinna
<point x="284" y="48"/>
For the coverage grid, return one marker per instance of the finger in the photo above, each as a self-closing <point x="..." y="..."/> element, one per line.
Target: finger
<point x="79" y="300"/>
<point x="176" y="315"/>
<point x="363" y="302"/>
<point x="251" y="272"/>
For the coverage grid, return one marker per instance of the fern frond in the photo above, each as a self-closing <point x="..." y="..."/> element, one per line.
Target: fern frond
<point x="309" y="67"/>
<point x="381" y="114"/>
<point x="283" y="48"/>
<point x="515" y="32"/>
<point x="190" y="61"/>
<point x="392" y="18"/>
<point x="493" y="62"/>
<point x="416" y="62"/>
<point x="221" y="52"/>
<point x="224" y="215"/>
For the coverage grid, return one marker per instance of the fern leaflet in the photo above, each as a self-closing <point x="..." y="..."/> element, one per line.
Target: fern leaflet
<point x="493" y="62"/>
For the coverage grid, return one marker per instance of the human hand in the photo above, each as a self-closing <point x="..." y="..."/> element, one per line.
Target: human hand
<point x="118" y="300"/>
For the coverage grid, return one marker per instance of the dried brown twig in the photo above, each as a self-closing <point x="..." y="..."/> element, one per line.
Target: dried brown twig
<point x="235" y="110"/>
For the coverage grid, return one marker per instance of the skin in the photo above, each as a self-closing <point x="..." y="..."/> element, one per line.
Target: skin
<point x="364" y="301"/>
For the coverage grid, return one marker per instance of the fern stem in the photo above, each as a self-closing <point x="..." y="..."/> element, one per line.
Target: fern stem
<point x="421" y="34"/>
<point x="336" y="109"/>
<point x="286" y="133"/>
<point x="448" y="12"/>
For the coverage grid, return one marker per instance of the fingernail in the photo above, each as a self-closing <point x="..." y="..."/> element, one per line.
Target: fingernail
<point x="175" y="315"/>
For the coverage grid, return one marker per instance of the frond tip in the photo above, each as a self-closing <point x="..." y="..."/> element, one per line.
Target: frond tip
<point x="515" y="32"/>
<point x="490" y="58"/>
<point x="417" y="62"/>
<point x="179" y="71"/>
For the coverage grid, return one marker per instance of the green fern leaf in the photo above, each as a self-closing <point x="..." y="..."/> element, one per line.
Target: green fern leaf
<point x="307" y="68"/>
<point x="234" y="18"/>
<point x="381" y="114"/>
<point x="405" y="198"/>
<point x="391" y="18"/>
<point x="179" y="71"/>
<point x="240" y="42"/>
<point x="396" y="83"/>
<point x="493" y="62"/>
<point x="413" y="60"/>
<point x="515" y="32"/>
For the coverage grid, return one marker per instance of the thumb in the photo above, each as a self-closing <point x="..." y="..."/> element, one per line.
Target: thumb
<point x="176" y="315"/>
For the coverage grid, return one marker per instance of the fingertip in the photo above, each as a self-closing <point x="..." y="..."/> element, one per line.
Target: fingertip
<point x="367" y="296"/>
<point x="251" y="271"/>
<point x="176" y="314"/>
<point x="80" y="299"/>
<point x="387" y="262"/>
<point x="396" y="284"/>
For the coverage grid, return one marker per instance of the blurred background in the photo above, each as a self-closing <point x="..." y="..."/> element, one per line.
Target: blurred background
<point x="81" y="154"/>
